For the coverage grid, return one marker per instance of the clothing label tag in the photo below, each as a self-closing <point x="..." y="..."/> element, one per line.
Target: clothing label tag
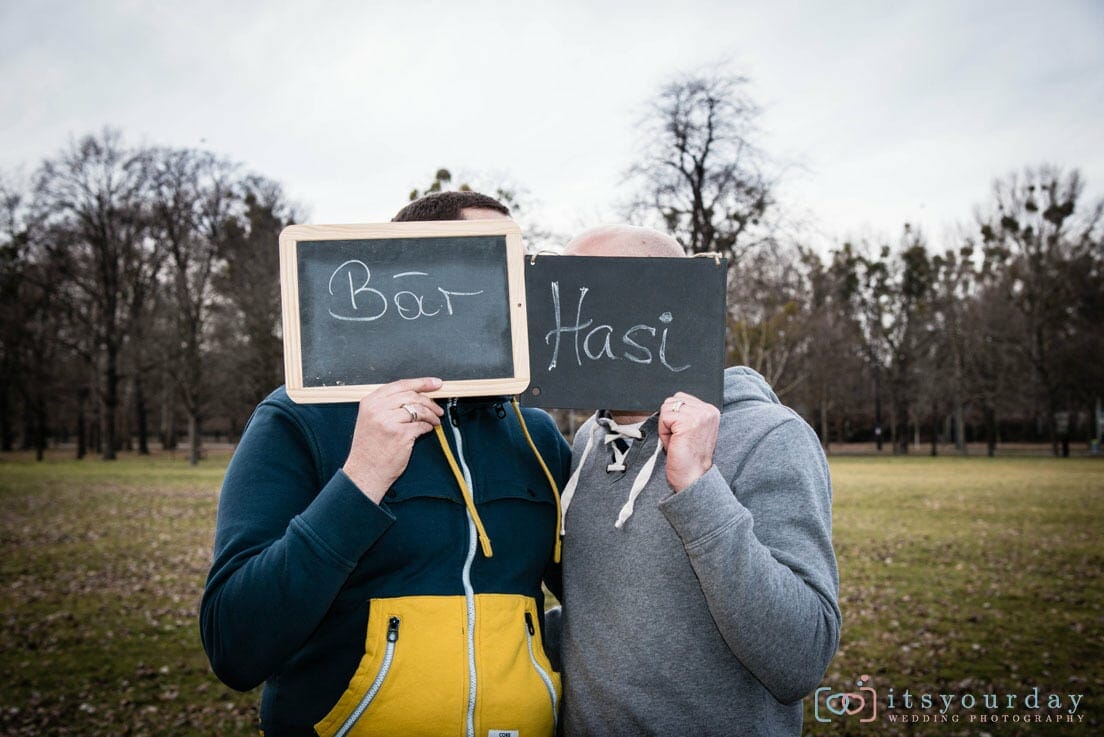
<point x="502" y="733"/>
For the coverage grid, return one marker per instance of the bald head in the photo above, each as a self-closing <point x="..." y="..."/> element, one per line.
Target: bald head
<point x="623" y="240"/>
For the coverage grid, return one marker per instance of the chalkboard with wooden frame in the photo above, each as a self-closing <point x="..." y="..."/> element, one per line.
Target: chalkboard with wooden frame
<point x="364" y="305"/>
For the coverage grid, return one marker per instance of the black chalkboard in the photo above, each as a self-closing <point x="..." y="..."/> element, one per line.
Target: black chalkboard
<point x="624" y="333"/>
<point x="365" y="307"/>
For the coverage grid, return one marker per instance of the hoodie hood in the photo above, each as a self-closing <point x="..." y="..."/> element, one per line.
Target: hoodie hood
<point x="743" y="384"/>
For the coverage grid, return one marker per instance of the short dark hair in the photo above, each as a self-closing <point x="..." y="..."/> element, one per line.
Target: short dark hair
<point x="447" y="206"/>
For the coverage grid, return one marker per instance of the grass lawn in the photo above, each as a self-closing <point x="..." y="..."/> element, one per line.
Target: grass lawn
<point x="960" y="576"/>
<point x="102" y="566"/>
<point x="970" y="576"/>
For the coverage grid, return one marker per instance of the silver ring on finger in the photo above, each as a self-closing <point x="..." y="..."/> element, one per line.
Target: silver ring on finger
<point x="678" y="405"/>
<point x="413" y="412"/>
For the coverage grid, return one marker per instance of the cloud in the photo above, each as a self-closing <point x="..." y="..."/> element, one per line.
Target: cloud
<point x="893" y="112"/>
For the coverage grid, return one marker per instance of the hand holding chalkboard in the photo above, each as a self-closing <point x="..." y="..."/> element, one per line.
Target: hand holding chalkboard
<point x="389" y="420"/>
<point x="688" y="431"/>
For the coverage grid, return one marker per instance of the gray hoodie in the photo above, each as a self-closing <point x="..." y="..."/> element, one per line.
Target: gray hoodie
<point x="708" y="612"/>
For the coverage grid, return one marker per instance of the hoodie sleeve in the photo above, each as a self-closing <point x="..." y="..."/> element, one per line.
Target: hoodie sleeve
<point x="761" y="545"/>
<point x="285" y="543"/>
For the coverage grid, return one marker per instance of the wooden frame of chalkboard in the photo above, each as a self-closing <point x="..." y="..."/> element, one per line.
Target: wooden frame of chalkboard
<point x="411" y="249"/>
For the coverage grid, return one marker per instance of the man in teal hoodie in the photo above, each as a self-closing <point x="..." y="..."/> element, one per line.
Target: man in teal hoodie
<point x="699" y="582"/>
<point x="378" y="565"/>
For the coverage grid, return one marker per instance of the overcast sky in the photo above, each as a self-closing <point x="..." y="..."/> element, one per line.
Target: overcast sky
<point x="882" y="112"/>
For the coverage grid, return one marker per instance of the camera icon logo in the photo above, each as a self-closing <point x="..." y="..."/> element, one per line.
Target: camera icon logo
<point x="830" y="705"/>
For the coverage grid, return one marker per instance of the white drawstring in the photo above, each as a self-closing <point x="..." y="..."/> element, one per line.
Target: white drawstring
<point x="614" y="432"/>
<point x="569" y="488"/>
<point x="617" y="432"/>
<point x="638" y="485"/>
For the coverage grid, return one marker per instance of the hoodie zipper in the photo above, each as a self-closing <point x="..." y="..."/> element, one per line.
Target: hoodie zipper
<point x="530" y="630"/>
<point x="385" y="666"/>
<point x="469" y="592"/>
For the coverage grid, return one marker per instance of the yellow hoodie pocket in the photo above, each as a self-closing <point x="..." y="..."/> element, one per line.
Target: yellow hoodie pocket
<point x="416" y="677"/>
<point x="518" y="690"/>
<point x="413" y="678"/>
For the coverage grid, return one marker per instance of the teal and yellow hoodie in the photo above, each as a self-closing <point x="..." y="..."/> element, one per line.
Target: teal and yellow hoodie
<point x="418" y="616"/>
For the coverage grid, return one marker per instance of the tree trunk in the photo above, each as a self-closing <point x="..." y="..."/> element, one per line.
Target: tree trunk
<point x="94" y="431"/>
<point x="7" y="432"/>
<point x="960" y="429"/>
<point x="934" y="429"/>
<point x="125" y="417"/>
<point x="1052" y="424"/>
<point x="1089" y="426"/>
<point x="1041" y="355"/>
<point x="877" y="409"/>
<point x="194" y="451"/>
<point x="824" y="440"/>
<point x="40" y="426"/>
<point x="168" y="417"/>
<point x="990" y="431"/>
<point x="28" y="425"/>
<point x="1099" y="419"/>
<point x="142" y="419"/>
<point x="82" y="424"/>
<point x="108" y="406"/>
<point x="900" y="429"/>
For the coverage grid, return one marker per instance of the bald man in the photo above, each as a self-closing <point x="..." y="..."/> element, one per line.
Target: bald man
<point x="699" y="578"/>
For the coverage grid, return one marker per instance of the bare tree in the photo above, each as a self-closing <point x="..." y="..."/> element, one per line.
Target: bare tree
<point x="28" y="326"/>
<point x="40" y="350"/>
<point x="14" y="243"/>
<point x="699" y="171"/>
<point x="953" y="286"/>
<point x="193" y="193"/>
<point x="994" y="370"/>
<point x="442" y="182"/>
<point x="832" y="355"/>
<point x="515" y="197"/>
<point x="90" y="202"/>
<point x="893" y="304"/>
<point x="1031" y="230"/>
<point x="1081" y="356"/>
<point x="246" y="325"/>
<point x="768" y="326"/>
